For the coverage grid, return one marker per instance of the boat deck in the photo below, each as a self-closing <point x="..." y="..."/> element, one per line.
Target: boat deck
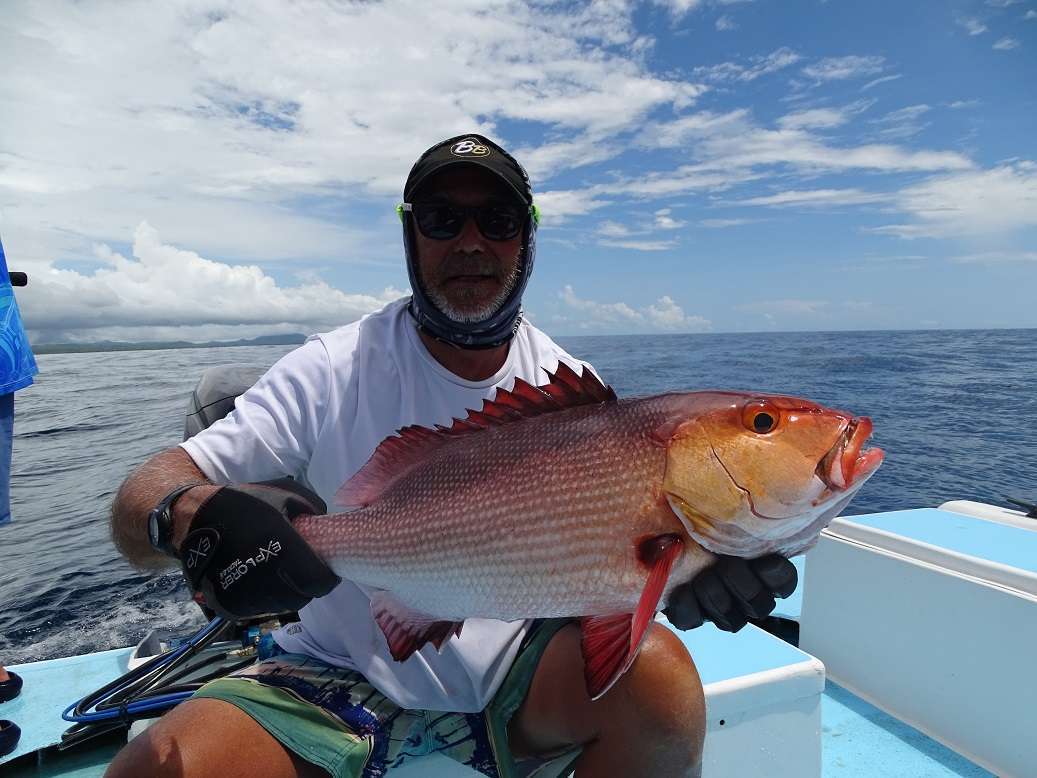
<point x="858" y="739"/>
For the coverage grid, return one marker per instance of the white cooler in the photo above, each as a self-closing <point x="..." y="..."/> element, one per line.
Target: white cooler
<point x="763" y="708"/>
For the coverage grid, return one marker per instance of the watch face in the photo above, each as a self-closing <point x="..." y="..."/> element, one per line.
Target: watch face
<point x="153" y="531"/>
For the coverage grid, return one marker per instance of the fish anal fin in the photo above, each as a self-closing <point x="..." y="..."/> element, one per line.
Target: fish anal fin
<point x="407" y="630"/>
<point x="611" y="643"/>
<point x="398" y="454"/>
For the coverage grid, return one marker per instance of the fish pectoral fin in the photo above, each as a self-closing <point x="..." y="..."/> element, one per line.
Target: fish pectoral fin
<point x="611" y="643"/>
<point x="407" y="630"/>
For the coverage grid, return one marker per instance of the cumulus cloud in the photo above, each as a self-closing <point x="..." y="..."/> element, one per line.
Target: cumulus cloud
<point x="841" y="68"/>
<point x="214" y="123"/>
<point x="798" y="148"/>
<point x="734" y="145"/>
<point x="639" y="245"/>
<point x="999" y="201"/>
<point x="611" y="229"/>
<point x="664" y="221"/>
<point x="903" y="122"/>
<point x="972" y="25"/>
<point x="556" y="206"/>
<point x="541" y="161"/>
<point x="271" y="135"/>
<point x="663" y="315"/>
<point x="814" y="118"/>
<point x="678" y="8"/>
<point x="685" y="179"/>
<point x="1006" y="44"/>
<point x="162" y="288"/>
<point x="732" y="149"/>
<point x="637" y="236"/>
<point x="909" y="113"/>
<point x="720" y="224"/>
<point x="677" y="132"/>
<point x="757" y="66"/>
<point x="816" y="198"/>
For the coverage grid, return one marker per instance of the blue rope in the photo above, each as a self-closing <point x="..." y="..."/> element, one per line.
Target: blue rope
<point x="154" y="703"/>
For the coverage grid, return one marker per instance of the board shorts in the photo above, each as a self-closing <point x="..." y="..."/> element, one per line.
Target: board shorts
<point x="334" y="718"/>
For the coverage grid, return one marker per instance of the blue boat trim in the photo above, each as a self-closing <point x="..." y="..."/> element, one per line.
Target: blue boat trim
<point x="1006" y="545"/>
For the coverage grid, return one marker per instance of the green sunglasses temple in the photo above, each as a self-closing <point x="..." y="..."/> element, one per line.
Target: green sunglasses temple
<point x="533" y="209"/>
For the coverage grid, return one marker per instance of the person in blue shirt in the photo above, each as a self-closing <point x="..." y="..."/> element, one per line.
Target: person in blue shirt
<point x="17" y="367"/>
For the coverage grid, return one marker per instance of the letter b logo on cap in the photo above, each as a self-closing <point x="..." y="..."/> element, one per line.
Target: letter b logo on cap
<point x="469" y="148"/>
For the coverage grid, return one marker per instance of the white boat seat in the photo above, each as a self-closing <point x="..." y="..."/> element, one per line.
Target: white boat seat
<point x="932" y="617"/>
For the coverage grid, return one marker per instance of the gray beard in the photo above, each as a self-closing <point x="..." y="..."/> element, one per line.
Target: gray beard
<point x="469" y="316"/>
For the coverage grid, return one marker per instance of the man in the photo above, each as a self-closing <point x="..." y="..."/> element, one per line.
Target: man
<point x="504" y="698"/>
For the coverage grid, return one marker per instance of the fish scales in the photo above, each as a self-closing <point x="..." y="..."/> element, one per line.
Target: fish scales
<point x="506" y="521"/>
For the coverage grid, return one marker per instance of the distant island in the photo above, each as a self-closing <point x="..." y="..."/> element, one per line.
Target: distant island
<point x="290" y="339"/>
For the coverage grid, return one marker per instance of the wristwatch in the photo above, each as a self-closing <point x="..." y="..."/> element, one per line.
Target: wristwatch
<point x="160" y="521"/>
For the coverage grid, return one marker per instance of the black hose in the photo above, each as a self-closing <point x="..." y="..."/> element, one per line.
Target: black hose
<point x="138" y="678"/>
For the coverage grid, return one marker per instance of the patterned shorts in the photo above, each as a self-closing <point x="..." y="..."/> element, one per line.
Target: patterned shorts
<point x="335" y="719"/>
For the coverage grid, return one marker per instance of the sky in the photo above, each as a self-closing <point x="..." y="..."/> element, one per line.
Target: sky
<point x="209" y="170"/>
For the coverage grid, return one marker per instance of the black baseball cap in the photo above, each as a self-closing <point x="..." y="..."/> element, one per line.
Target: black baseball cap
<point x="470" y="149"/>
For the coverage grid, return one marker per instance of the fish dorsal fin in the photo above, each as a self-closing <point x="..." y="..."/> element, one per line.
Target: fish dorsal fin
<point x="398" y="454"/>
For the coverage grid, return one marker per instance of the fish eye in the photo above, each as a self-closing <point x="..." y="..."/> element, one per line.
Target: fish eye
<point x="760" y="417"/>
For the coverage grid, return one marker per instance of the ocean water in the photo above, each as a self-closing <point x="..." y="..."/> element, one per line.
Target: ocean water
<point x="955" y="411"/>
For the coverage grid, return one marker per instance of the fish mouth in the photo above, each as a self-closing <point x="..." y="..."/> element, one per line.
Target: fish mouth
<point x="846" y="463"/>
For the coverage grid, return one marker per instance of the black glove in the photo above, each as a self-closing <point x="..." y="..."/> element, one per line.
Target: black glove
<point x="731" y="592"/>
<point x="242" y="555"/>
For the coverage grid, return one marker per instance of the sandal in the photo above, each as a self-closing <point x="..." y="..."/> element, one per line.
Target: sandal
<point x="9" y="735"/>
<point x="10" y="688"/>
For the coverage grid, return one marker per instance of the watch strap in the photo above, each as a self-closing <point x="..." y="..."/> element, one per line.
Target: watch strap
<point x="161" y="517"/>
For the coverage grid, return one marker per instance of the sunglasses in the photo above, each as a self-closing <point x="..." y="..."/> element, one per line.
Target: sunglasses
<point x="443" y="221"/>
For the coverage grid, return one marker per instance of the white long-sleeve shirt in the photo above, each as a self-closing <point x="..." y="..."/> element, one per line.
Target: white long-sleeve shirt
<point x="318" y="415"/>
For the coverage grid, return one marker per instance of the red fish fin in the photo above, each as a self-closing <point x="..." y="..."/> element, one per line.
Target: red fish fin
<point x="610" y="643"/>
<point x="398" y="454"/>
<point x="407" y="630"/>
<point x="570" y="389"/>
<point x="394" y="458"/>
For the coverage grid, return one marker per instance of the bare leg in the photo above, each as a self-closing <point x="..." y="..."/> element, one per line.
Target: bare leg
<point x="3" y="674"/>
<point x="652" y="722"/>
<point x="208" y="737"/>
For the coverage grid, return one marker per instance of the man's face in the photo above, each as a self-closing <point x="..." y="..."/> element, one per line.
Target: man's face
<point x="467" y="277"/>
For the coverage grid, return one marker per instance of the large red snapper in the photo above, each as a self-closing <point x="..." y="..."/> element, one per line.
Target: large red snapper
<point x="564" y="501"/>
